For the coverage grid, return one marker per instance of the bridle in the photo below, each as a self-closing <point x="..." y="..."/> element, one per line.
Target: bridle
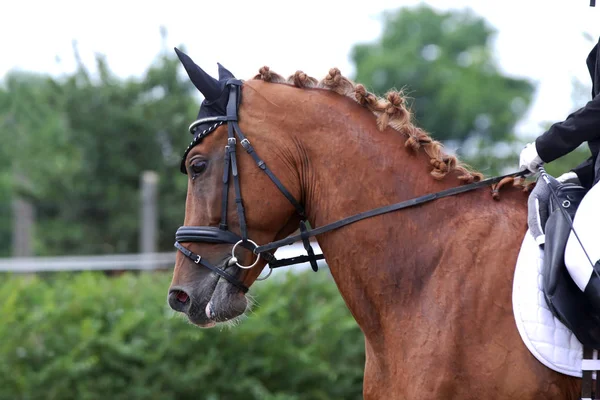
<point x="222" y="234"/>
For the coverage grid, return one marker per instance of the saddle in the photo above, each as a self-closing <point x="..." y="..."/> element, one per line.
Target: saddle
<point x="568" y="304"/>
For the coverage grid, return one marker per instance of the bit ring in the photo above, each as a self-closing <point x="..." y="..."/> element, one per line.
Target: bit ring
<point x="237" y="263"/>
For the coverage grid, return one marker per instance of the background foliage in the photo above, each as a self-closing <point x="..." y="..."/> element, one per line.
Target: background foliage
<point x="86" y="336"/>
<point x="78" y="143"/>
<point x="78" y="148"/>
<point x="444" y="60"/>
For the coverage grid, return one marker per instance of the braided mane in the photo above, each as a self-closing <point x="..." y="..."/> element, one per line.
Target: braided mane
<point x="390" y="111"/>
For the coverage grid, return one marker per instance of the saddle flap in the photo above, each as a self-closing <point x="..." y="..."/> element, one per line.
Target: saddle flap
<point x="565" y="300"/>
<point x="569" y="197"/>
<point x="557" y="229"/>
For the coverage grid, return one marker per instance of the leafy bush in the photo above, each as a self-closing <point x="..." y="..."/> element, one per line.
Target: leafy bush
<point x="88" y="336"/>
<point x="96" y="136"/>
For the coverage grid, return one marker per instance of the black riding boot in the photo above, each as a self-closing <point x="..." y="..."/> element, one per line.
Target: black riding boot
<point x="592" y="289"/>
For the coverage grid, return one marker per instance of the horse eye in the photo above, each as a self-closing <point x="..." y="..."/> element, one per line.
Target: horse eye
<point x="198" y="167"/>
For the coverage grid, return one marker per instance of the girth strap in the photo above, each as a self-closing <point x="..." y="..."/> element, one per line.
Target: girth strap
<point x="590" y="366"/>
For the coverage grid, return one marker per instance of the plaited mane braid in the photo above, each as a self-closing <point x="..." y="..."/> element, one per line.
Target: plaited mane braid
<point x="302" y="80"/>
<point x="390" y="111"/>
<point x="335" y="82"/>
<point x="265" y="74"/>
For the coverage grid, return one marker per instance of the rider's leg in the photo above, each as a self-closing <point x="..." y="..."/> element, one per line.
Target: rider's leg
<point x="584" y="266"/>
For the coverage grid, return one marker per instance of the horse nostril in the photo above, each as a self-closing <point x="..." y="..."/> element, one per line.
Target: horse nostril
<point x="179" y="300"/>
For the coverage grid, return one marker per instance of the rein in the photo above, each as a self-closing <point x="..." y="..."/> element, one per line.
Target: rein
<point x="383" y="210"/>
<point x="222" y="234"/>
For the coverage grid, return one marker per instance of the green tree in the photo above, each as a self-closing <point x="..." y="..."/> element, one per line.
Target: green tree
<point x="80" y="144"/>
<point x="444" y="62"/>
<point x="5" y="179"/>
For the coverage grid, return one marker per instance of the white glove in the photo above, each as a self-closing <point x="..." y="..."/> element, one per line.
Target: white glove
<point x="529" y="158"/>
<point x="569" y="177"/>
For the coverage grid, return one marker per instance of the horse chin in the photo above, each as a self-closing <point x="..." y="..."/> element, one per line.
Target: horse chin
<point x="225" y="304"/>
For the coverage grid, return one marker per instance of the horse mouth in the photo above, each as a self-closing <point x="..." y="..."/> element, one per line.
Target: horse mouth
<point x="210" y="301"/>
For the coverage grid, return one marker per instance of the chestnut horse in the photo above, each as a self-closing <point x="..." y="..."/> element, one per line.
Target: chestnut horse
<point x="430" y="286"/>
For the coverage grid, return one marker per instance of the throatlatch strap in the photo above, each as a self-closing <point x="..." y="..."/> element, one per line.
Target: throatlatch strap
<point x="263" y="166"/>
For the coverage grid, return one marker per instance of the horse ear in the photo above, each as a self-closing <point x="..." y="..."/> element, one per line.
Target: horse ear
<point x="224" y="73"/>
<point x="206" y="84"/>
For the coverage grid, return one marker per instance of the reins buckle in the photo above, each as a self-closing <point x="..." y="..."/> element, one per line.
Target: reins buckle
<point x="231" y="141"/>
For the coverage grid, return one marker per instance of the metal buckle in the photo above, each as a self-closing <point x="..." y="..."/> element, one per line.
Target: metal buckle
<point x="234" y="257"/>
<point x="198" y="258"/>
<point x="245" y="143"/>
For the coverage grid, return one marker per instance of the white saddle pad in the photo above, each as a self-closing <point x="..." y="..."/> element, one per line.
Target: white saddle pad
<point x="546" y="337"/>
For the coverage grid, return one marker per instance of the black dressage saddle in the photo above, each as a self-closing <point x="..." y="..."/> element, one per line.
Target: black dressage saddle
<point x="566" y="301"/>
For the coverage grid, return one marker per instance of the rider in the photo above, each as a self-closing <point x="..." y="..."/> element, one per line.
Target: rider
<point x="563" y="137"/>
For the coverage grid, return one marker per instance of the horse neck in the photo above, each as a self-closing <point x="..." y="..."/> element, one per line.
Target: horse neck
<point x="383" y="263"/>
<point x="350" y="166"/>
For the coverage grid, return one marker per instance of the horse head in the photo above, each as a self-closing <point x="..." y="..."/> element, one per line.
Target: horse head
<point x="231" y="203"/>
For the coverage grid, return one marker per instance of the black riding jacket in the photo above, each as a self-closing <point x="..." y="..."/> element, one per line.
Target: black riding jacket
<point x="581" y="126"/>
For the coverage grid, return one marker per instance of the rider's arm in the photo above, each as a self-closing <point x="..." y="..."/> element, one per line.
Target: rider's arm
<point x="563" y="137"/>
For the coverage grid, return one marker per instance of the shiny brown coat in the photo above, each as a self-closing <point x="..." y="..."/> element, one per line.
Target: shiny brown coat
<point x="429" y="286"/>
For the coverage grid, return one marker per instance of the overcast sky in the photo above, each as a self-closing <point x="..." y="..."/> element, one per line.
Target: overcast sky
<point x="540" y="40"/>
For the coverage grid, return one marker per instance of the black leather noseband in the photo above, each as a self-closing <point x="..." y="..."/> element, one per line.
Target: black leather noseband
<point x="208" y="234"/>
<point x="222" y="234"/>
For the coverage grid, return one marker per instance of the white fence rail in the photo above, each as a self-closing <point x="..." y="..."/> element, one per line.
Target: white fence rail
<point x="146" y="261"/>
